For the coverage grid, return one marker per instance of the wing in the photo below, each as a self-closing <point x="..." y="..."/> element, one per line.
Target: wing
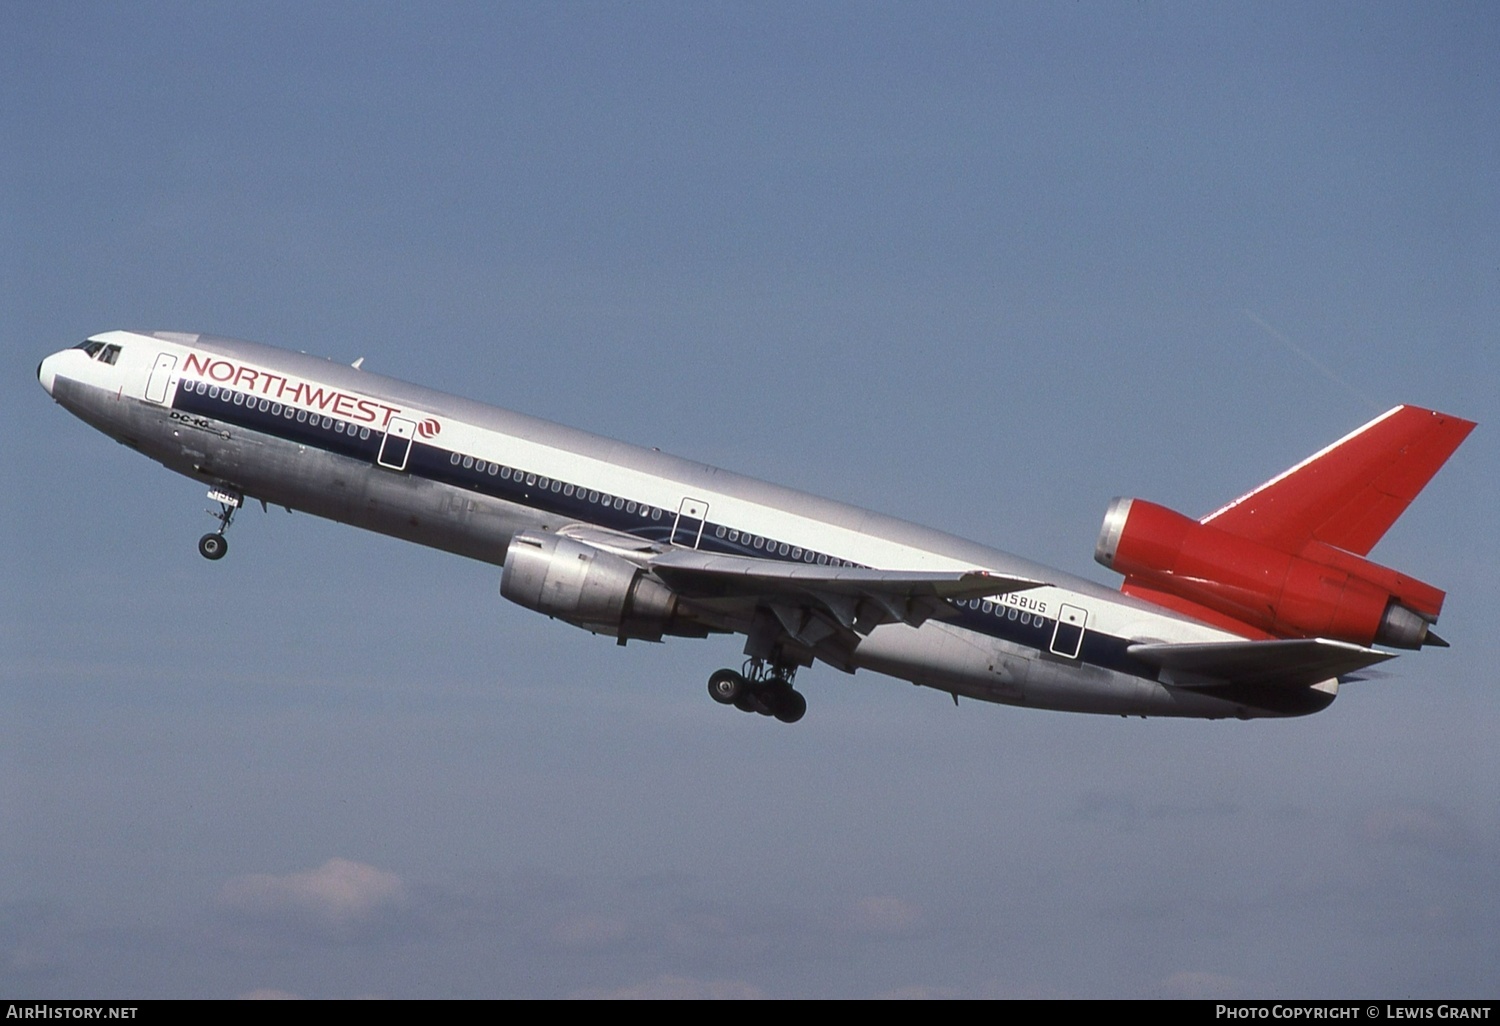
<point x="818" y="606"/>
<point x="1299" y="662"/>
<point x="813" y="603"/>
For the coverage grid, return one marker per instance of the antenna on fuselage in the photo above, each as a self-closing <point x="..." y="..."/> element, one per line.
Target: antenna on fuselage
<point x="356" y="363"/>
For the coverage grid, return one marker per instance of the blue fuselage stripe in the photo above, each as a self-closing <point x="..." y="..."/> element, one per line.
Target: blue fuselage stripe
<point x="1007" y="622"/>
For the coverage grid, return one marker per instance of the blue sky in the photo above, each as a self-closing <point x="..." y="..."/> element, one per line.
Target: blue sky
<point x="980" y="266"/>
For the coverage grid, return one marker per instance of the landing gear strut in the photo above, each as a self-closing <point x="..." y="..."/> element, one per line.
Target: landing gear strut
<point x="214" y="545"/>
<point x="762" y="688"/>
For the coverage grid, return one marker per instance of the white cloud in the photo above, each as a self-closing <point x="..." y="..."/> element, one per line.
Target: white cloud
<point x="338" y="894"/>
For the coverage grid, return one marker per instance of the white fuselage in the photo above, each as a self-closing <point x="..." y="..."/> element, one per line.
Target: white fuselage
<point x="459" y="475"/>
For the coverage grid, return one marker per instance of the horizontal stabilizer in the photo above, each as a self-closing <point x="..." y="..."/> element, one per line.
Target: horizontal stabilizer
<point x="1349" y="494"/>
<point x="1297" y="662"/>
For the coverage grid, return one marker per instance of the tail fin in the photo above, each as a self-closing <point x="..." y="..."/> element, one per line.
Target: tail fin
<point x="1288" y="559"/>
<point x="1349" y="494"/>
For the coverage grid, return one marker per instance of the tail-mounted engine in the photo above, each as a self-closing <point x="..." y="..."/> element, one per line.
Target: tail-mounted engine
<point x="592" y="589"/>
<point x="1318" y="591"/>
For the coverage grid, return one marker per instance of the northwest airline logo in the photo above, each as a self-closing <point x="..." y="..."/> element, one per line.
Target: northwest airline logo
<point x="297" y="392"/>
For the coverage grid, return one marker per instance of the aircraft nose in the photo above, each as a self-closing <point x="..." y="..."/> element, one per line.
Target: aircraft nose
<point x="46" y="372"/>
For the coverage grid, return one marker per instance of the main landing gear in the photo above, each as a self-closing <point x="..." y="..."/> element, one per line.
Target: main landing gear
<point x="761" y="688"/>
<point x="214" y="545"/>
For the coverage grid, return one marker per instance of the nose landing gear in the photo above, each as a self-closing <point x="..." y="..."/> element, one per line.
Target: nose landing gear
<point x="762" y="688"/>
<point x="214" y="545"/>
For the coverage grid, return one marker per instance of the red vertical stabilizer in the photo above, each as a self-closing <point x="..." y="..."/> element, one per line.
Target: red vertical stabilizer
<point x="1350" y="494"/>
<point x="1288" y="559"/>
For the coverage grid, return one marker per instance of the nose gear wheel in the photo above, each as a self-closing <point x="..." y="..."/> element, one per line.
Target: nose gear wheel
<point x="214" y="545"/>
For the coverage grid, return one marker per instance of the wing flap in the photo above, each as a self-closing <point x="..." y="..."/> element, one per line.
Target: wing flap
<point x="1289" y="663"/>
<point x="855" y="598"/>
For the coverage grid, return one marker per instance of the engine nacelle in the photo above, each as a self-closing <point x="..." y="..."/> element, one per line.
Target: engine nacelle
<point x="591" y="588"/>
<point x="1319" y="592"/>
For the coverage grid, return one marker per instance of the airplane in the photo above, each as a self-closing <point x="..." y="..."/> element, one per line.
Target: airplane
<point x="1259" y="609"/>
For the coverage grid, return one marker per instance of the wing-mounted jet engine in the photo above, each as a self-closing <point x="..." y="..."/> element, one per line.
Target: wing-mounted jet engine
<point x="591" y="588"/>
<point x="1288" y="559"/>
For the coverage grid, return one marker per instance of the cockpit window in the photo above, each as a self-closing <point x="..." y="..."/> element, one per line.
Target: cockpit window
<point x="92" y="348"/>
<point x="110" y="354"/>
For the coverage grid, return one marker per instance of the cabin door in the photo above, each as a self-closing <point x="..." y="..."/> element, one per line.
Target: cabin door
<point x="396" y="446"/>
<point x="689" y="526"/>
<point x="1067" y="637"/>
<point x="161" y="377"/>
